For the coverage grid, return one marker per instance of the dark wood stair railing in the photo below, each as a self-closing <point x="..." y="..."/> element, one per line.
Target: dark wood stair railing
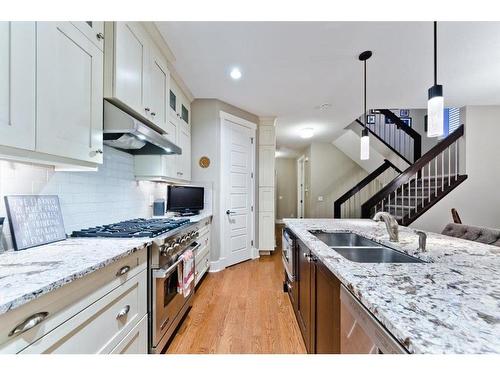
<point x="424" y="183"/>
<point x="337" y="206"/>
<point x="417" y="138"/>
<point x="386" y="134"/>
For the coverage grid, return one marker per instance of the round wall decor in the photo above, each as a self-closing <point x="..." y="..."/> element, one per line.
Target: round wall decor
<point x="204" y="162"/>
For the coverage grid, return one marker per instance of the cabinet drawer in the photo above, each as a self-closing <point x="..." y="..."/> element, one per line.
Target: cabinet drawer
<point x="202" y="266"/>
<point x="202" y="253"/>
<point x="67" y="301"/>
<point x="102" y="325"/>
<point x="136" y="341"/>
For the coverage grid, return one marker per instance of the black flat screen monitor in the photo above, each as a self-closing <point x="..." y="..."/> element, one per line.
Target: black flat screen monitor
<point x="185" y="199"/>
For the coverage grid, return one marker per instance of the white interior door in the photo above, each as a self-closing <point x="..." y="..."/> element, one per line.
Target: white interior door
<point x="300" y="187"/>
<point x="237" y="191"/>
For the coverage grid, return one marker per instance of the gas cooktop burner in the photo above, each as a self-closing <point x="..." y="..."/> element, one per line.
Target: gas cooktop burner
<point x="133" y="228"/>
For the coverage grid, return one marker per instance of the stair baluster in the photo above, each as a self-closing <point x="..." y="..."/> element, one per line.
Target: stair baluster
<point x="401" y="196"/>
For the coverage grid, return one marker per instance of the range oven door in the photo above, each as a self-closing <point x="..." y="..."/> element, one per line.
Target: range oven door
<point x="168" y="301"/>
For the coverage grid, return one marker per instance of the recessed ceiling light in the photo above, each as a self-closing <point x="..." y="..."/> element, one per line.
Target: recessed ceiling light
<point x="235" y="73"/>
<point x="324" y="106"/>
<point x="306" y="133"/>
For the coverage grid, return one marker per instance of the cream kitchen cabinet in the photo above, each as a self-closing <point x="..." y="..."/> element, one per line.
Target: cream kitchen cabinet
<point x="174" y="168"/>
<point x="17" y="91"/>
<point x="51" y="102"/>
<point x="93" y="30"/>
<point x="103" y="312"/>
<point x="136" y="74"/>
<point x="159" y="90"/>
<point x="184" y="160"/>
<point x="267" y="141"/>
<point x="136" y="341"/>
<point x="69" y="111"/>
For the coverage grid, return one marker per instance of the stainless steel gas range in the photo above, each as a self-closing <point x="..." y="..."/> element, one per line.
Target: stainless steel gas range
<point x="167" y="305"/>
<point x="170" y="239"/>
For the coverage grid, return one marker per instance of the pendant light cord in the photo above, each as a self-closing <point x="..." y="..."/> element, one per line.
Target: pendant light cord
<point x="435" y="53"/>
<point x="364" y="103"/>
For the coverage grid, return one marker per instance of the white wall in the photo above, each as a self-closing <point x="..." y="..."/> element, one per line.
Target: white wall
<point x="477" y="199"/>
<point x="286" y="188"/>
<point x="205" y="141"/>
<point x="87" y="198"/>
<point x="329" y="174"/>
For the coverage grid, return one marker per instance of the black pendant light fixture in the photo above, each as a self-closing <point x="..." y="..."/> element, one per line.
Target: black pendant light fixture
<point x="435" y="104"/>
<point x="365" y="139"/>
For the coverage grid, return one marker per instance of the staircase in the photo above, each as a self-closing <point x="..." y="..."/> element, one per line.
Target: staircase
<point x="410" y="193"/>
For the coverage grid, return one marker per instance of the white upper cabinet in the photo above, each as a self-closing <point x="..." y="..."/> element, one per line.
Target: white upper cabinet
<point x="94" y="30"/>
<point x="69" y="93"/>
<point x="136" y="74"/>
<point x="131" y="66"/>
<point x="159" y="90"/>
<point x="17" y="84"/>
<point x="184" y="160"/>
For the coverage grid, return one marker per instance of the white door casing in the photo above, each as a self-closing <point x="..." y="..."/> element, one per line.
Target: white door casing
<point x="237" y="189"/>
<point x="300" y="187"/>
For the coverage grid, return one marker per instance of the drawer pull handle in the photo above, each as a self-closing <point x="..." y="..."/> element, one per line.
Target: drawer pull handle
<point x="123" y="312"/>
<point x="29" y="323"/>
<point x="123" y="271"/>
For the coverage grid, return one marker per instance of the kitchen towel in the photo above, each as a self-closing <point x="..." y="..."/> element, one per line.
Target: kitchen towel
<point x="187" y="272"/>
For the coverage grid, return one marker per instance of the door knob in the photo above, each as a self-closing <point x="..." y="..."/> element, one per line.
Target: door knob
<point x="229" y="212"/>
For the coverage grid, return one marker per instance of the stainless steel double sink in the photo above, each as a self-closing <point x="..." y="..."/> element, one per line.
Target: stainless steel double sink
<point x="362" y="250"/>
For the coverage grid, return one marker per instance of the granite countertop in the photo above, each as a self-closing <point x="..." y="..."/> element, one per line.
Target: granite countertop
<point x="26" y="275"/>
<point x="449" y="305"/>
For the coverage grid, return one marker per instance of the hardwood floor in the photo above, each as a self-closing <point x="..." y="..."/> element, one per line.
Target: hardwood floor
<point x="242" y="309"/>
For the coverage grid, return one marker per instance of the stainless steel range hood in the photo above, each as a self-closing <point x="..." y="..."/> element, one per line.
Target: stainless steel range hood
<point x="123" y="131"/>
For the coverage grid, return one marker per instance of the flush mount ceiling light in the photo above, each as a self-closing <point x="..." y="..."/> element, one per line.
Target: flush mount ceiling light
<point x="306" y="133"/>
<point x="435" y="104"/>
<point x="235" y="74"/>
<point x="365" y="139"/>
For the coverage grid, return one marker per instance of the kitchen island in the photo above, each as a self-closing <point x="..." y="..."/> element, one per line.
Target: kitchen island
<point x="450" y="304"/>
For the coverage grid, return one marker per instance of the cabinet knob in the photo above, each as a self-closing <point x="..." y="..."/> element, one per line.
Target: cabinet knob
<point x="96" y="152"/>
<point x="147" y="109"/>
<point x="153" y="113"/>
<point x="100" y="36"/>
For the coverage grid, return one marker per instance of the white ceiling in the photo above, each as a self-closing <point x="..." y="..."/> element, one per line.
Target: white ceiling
<point x="289" y="68"/>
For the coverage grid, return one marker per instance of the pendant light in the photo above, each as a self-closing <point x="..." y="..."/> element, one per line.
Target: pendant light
<point x="435" y="105"/>
<point x="365" y="139"/>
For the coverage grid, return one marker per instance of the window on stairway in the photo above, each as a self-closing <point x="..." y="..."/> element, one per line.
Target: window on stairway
<point x="451" y="120"/>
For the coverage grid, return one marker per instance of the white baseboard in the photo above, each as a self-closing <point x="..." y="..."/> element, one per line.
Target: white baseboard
<point x="217" y="265"/>
<point x="255" y="253"/>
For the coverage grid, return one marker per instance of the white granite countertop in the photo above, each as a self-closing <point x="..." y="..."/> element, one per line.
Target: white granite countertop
<point x="449" y="305"/>
<point x="25" y="275"/>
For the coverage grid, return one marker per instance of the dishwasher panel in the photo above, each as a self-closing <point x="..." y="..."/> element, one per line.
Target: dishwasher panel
<point x="360" y="332"/>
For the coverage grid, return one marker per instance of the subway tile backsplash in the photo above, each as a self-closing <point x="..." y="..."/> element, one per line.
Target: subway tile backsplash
<point x="87" y="198"/>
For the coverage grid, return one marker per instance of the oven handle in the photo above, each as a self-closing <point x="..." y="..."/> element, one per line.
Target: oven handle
<point x="164" y="273"/>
